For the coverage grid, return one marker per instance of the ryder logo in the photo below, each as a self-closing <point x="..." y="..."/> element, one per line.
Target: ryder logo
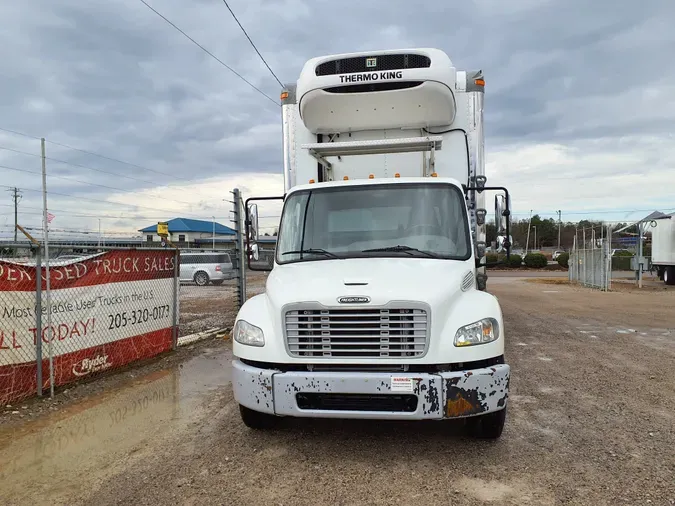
<point x="90" y="365"/>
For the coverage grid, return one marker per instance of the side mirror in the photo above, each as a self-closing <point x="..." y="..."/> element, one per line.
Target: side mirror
<point x="253" y="222"/>
<point x="255" y="253"/>
<point x="502" y="213"/>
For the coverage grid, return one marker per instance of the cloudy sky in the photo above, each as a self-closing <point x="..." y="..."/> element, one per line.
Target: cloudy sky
<point x="580" y="100"/>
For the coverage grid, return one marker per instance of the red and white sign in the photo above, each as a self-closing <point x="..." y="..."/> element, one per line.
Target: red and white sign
<point x="106" y="311"/>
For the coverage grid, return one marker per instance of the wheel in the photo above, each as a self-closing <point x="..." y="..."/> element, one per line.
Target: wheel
<point x="669" y="275"/>
<point x="257" y="420"/>
<point x="201" y="278"/>
<point x="217" y="282"/>
<point x="488" y="426"/>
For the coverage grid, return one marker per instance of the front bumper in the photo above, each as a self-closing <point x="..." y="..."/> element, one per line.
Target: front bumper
<point x="375" y="395"/>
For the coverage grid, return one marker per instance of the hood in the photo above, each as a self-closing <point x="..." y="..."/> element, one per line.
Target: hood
<point x="382" y="279"/>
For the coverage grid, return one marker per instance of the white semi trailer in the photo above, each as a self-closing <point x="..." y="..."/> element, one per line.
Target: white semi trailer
<point x="663" y="247"/>
<point x="376" y="306"/>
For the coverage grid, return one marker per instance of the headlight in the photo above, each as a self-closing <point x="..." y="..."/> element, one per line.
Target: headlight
<point x="248" y="334"/>
<point x="481" y="332"/>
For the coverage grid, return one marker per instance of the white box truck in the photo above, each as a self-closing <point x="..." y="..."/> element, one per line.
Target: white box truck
<point x="663" y="247"/>
<point x="375" y="307"/>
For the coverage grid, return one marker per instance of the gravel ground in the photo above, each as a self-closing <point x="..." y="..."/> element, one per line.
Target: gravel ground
<point x="207" y="307"/>
<point x="591" y="421"/>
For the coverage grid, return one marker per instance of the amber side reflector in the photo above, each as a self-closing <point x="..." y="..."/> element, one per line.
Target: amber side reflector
<point x="284" y="95"/>
<point x="397" y="175"/>
<point x="372" y="176"/>
<point x="311" y="181"/>
<point x="433" y="174"/>
<point x="479" y="82"/>
<point x="346" y="178"/>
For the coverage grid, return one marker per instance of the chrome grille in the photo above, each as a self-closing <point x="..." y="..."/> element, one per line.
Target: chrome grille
<point x="357" y="333"/>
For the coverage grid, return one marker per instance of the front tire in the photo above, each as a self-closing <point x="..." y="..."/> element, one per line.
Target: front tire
<point x="201" y="279"/>
<point x="257" y="420"/>
<point x="489" y="426"/>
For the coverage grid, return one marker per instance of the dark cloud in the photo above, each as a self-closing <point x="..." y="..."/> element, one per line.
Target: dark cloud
<point x="115" y="79"/>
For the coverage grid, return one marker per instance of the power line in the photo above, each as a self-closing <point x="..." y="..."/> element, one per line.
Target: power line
<point x="70" y="214"/>
<point x="72" y="164"/>
<point x="252" y="44"/>
<point x="212" y="55"/>
<point x="73" y="180"/>
<point x="99" y="201"/>
<point x="90" y="153"/>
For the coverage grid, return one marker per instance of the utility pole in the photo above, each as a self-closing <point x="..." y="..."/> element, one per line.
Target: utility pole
<point x="535" y="238"/>
<point x="16" y="197"/>
<point x="45" y="232"/>
<point x="529" y="226"/>
<point x="559" y="225"/>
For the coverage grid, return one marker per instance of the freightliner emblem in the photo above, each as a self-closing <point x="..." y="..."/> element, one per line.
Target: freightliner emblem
<point x="353" y="300"/>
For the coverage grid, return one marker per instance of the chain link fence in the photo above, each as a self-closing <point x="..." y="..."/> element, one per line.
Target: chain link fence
<point x="106" y="306"/>
<point x="590" y="258"/>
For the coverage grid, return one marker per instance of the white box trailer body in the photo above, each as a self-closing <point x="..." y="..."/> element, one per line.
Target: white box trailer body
<point x="434" y="105"/>
<point x="376" y="305"/>
<point x="663" y="247"/>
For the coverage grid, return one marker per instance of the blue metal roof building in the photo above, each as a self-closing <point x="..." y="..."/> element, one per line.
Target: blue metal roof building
<point x="187" y="225"/>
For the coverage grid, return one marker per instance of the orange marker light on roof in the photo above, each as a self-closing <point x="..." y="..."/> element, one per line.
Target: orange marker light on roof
<point x="284" y="95"/>
<point x="372" y="176"/>
<point x="479" y="82"/>
<point x="397" y="175"/>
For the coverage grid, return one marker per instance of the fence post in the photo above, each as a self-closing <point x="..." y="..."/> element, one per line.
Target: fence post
<point x="608" y="254"/>
<point x="38" y="318"/>
<point x="176" y="290"/>
<point x="593" y="266"/>
<point x="240" y="254"/>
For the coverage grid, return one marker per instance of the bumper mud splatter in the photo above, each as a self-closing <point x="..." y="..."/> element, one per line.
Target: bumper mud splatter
<point x="439" y="395"/>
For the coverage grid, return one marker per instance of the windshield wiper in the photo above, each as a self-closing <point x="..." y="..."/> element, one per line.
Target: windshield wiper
<point x="406" y="249"/>
<point x="316" y="251"/>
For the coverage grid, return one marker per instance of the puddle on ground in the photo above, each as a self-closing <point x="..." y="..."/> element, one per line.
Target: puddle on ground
<point x="99" y="432"/>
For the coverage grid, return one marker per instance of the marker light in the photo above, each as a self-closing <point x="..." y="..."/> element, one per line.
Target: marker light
<point x="479" y="82"/>
<point x="372" y="176"/>
<point x="284" y="95"/>
<point x="397" y="175"/>
<point x="346" y="178"/>
<point x="311" y="181"/>
<point x="433" y="174"/>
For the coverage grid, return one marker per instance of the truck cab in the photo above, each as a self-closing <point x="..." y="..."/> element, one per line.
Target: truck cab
<point x="376" y="307"/>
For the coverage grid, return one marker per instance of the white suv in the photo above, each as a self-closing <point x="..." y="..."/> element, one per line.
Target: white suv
<point x="206" y="267"/>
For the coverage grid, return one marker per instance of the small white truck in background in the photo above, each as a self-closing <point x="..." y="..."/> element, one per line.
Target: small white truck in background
<point x="376" y="307"/>
<point x="663" y="247"/>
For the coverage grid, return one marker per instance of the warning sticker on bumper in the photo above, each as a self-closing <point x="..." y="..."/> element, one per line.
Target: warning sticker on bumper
<point x="401" y="384"/>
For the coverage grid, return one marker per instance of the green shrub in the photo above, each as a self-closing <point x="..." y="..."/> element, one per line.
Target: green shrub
<point x="621" y="262"/>
<point x="535" y="260"/>
<point x="491" y="258"/>
<point x="515" y="261"/>
<point x="564" y="260"/>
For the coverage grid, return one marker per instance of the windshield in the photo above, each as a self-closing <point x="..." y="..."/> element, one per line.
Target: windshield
<point x="407" y="220"/>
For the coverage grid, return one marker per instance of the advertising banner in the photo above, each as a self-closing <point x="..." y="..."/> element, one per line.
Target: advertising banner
<point x="107" y="310"/>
